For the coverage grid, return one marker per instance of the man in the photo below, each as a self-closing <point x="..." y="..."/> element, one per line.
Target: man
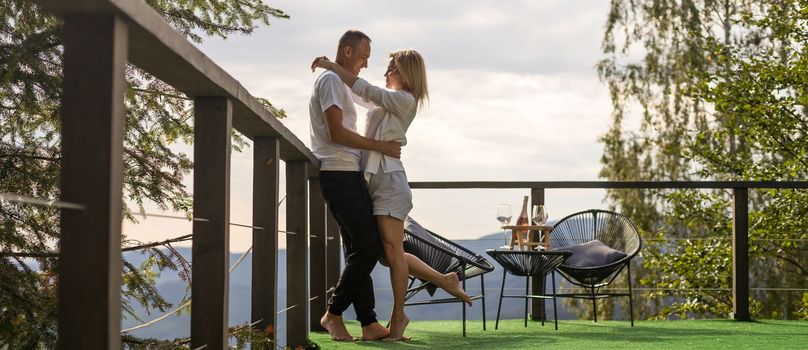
<point x="336" y="144"/>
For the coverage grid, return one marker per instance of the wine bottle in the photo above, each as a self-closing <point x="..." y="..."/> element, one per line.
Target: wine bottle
<point x="521" y="221"/>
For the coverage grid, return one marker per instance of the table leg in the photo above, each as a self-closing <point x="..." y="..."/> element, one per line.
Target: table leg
<point x="513" y="239"/>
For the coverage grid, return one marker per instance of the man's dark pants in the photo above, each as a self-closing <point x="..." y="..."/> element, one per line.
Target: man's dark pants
<point x="347" y="196"/>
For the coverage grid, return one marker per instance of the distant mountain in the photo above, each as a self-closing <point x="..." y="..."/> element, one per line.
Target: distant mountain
<point x="239" y="310"/>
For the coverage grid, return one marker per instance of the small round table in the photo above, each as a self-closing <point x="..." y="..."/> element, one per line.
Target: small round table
<point x="528" y="264"/>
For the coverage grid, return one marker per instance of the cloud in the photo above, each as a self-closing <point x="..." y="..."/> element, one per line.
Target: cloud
<point x="516" y="36"/>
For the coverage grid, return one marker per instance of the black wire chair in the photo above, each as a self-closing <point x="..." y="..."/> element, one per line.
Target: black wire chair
<point x="529" y="263"/>
<point x="615" y="231"/>
<point x="444" y="256"/>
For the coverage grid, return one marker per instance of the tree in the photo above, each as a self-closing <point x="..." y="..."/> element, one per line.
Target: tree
<point x="157" y="117"/>
<point x="721" y="89"/>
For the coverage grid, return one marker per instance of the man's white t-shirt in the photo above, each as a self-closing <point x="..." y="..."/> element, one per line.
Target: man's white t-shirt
<point x="329" y="91"/>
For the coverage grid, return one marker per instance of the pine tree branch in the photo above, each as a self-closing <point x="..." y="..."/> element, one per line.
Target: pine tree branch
<point x="30" y="156"/>
<point x="155" y="244"/>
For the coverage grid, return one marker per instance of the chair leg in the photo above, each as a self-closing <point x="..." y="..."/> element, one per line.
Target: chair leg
<point x="527" y="292"/>
<point x="630" y="296"/>
<point x="482" y="286"/>
<point x="594" y="305"/>
<point x="464" y="308"/>
<point x="464" y="304"/>
<point x="555" y="305"/>
<point x="501" y="292"/>
<point x="544" y="301"/>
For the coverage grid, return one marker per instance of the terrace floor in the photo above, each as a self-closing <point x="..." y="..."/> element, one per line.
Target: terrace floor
<point x="690" y="334"/>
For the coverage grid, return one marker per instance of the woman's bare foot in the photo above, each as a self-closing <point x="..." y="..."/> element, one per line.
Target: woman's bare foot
<point x="336" y="327"/>
<point x="374" y="331"/>
<point x="397" y="326"/>
<point x="451" y="284"/>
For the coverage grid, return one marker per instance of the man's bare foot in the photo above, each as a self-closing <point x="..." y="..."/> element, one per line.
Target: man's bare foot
<point x="397" y="326"/>
<point x="336" y="327"/>
<point x="451" y="284"/>
<point x="374" y="331"/>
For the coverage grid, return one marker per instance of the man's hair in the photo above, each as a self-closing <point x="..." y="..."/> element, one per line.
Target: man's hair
<point x="351" y="38"/>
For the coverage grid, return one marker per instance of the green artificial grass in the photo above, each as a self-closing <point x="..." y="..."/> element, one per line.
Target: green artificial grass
<point x="695" y="334"/>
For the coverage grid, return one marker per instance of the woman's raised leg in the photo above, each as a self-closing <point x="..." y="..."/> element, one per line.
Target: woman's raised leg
<point x="392" y="233"/>
<point x="448" y="282"/>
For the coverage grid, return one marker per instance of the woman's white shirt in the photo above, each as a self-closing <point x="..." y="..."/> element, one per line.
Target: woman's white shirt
<point x="389" y="116"/>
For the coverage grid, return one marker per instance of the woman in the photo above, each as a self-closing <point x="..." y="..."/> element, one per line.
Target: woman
<point x="391" y="111"/>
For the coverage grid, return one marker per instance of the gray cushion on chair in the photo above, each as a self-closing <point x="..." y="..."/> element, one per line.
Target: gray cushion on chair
<point x="591" y="254"/>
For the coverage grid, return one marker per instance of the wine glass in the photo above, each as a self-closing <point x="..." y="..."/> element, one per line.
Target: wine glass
<point x="539" y="214"/>
<point x="504" y="217"/>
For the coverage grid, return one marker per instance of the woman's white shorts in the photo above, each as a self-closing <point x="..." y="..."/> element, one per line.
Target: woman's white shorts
<point x="391" y="194"/>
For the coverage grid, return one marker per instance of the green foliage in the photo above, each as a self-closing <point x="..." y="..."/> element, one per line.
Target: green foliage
<point x="244" y="335"/>
<point x="158" y="117"/>
<point x="721" y="90"/>
<point x="803" y="311"/>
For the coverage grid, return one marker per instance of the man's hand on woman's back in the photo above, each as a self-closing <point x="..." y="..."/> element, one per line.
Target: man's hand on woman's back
<point x="392" y="149"/>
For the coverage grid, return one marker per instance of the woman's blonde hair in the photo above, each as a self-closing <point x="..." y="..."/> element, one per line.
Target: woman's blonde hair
<point x="413" y="71"/>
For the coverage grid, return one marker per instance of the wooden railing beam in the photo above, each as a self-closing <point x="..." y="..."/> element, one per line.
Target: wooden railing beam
<point x="211" y="238"/>
<point x="159" y="49"/>
<point x="537" y="285"/>
<point x="317" y="255"/>
<point x="740" y="254"/>
<point x="297" y="248"/>
<point x="89" y="294"/>
<point x="266" y="193"/>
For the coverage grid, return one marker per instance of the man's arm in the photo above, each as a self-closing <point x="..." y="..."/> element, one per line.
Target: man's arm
<point x="347" y="77"/>
<point x="340" y="135"/>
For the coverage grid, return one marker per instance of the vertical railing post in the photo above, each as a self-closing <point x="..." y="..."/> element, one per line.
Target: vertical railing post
<point x="333" y="254"/>
<point x="317" y="257"/>
<point x="266" y="193"/>
<point x="740" y="254"/>
<point x="213" y="118"/>
<point x="94" y="86"/>
<point x="297" y="260"/>
<point x="537" y="311"/>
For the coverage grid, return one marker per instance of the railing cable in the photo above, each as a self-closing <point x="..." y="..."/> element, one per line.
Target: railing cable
<point x="287" y="309"/>
<point x="13" y="197"/>
<point x="164" y="216"/>
<point x="124" y="249"/>
<point x="184" y="305"/>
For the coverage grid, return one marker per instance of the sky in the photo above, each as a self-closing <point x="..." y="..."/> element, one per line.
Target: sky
<point x="514" y="96"/>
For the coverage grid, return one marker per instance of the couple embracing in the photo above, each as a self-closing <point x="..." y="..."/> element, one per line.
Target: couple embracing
<point x="363" y="181"/>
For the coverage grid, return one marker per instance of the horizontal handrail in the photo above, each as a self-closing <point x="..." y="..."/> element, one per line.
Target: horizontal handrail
<point x="160" y="50"/>
<point x="607" y="184"/>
